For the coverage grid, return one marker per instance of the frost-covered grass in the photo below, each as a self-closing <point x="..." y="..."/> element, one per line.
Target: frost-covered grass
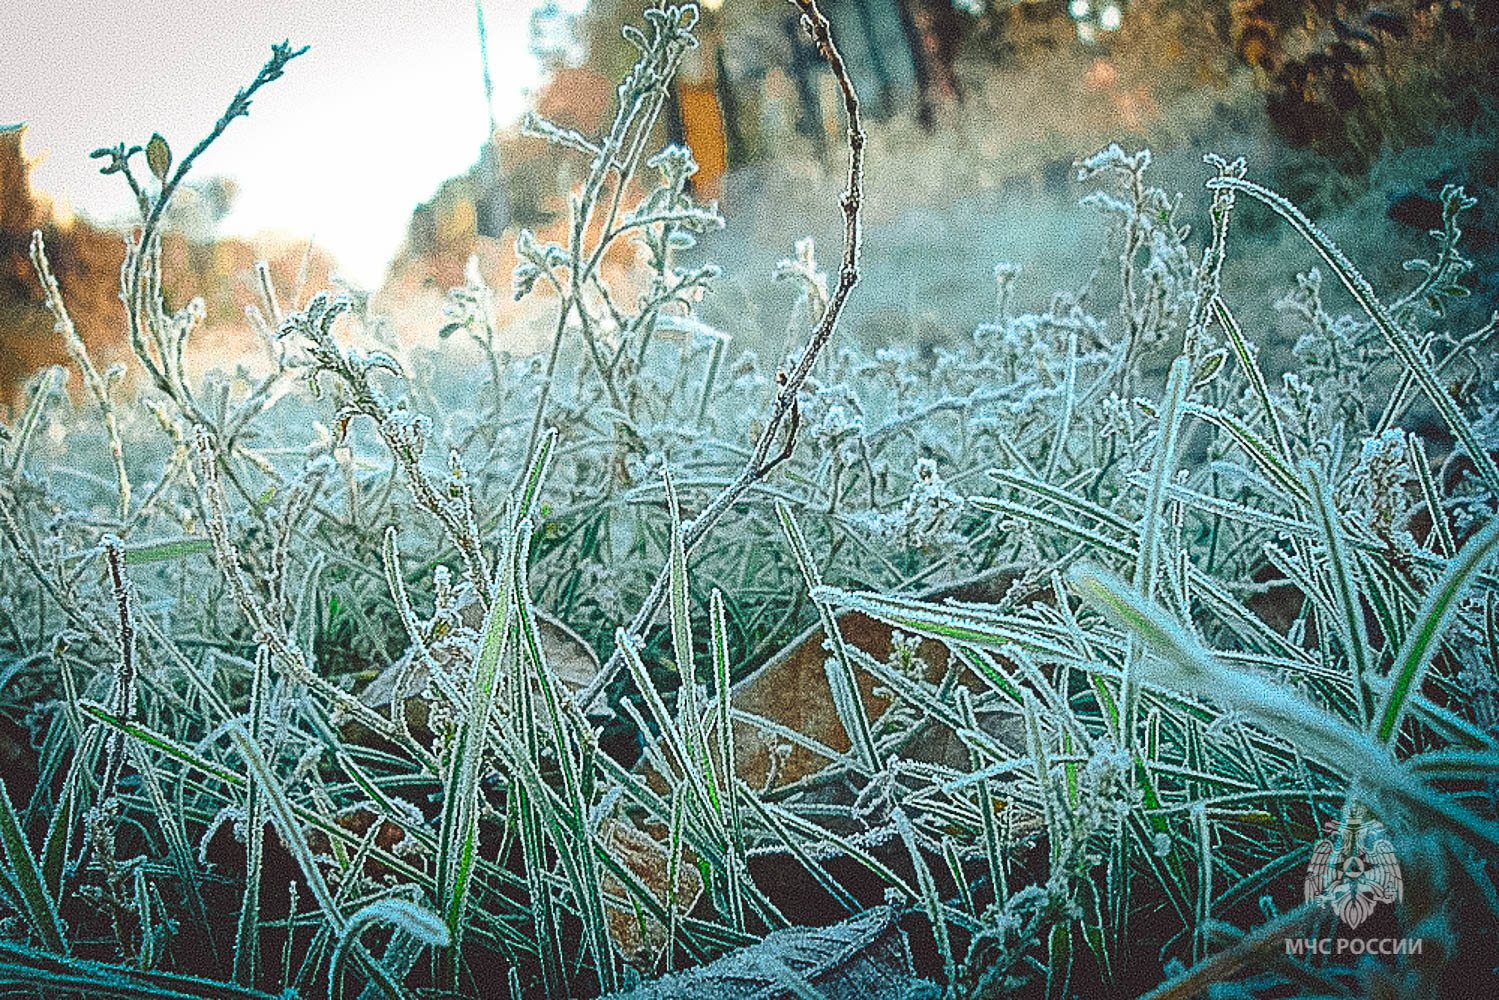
<point x="1213" y="613"/>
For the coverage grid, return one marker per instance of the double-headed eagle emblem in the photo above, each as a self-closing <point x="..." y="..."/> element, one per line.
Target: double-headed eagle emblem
<point x="1353" y="869"/>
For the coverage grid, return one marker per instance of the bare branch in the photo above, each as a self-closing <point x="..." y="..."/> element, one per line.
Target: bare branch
<point x="785" y="416"/>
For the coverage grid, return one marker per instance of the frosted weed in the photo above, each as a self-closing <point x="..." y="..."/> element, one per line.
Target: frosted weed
<point x="1182" y="622"/>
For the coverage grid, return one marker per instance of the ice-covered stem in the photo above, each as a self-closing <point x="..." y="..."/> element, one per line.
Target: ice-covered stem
<point x="239" y="107"/>
<point x="1442" y="275"/>
<point x="140" y="277"/>
<point x="49" y="579"/>
<point x="265" y="620"/>
<point x="1132" y="169"/>
<point x="403" y="432"/>
<point x="640" y="98"/>
<point x="148" y="326"/>
<point x="262" y="395"/>
<point x="123" y="696"/>
<point x="1005" y="276"/>
<point x="785" y="418"/>
<point x="1210" y="272"/>
<point x="98" y="384"/>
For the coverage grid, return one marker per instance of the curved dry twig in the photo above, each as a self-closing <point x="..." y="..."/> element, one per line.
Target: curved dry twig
<point x="785" y="418"/>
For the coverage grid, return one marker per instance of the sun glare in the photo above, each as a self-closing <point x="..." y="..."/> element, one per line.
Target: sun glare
<point x="386" y="105"/>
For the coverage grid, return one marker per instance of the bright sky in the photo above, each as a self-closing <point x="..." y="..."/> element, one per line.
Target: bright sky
<point x="386" y="105"/>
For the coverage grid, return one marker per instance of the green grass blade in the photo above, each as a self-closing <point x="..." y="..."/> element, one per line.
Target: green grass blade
<point x="536" y="475"/>
<point x="1265" y="455"/>
<point x="671" y="732"/>
<point x="840" y="669"/>
<point x="724" y="744"/>
<point x="1248" y="361"/>
<point x="176" y="548"/>
<point x="1095" y="540"/>
<point x="1181" y="663"/>
<point x="247" y="928"/>
<point x="1422" y="640"/>
<point x="1059" y="961"/>
<point x="60" y="829"/>
<point x="994" y="856"/>
<point x="10" y="893"/>
<point x="929" y="897"/>
<point x="564" y="811"/>
<point x="965" y="625"/>
<point x="564" y="823"/>
<point x="1345" y="584"/>
<point x="38" y="906"/>
<point x="1069" y="398"/>
<point x="776" y="823"/>
<point x="1016" y="479"/>
<point x="45" y="385"/>
<point x="234" y="779"/>
<point x="1046" y="788"/>
<point x="169" y="822"/>
<point x="459" y="830"/>
<point x="284" y="818"/>
<point x="1162" y="468"/>
<point x="162" y="744"/>
<point x="1458" y="764"/>
<point x="689" y="716"/>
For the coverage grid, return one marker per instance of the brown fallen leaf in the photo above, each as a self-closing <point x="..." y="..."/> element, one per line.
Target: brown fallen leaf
<point x="358" y="819"/>
<point x="791" y="688"/>
<point x="640" y="937"/>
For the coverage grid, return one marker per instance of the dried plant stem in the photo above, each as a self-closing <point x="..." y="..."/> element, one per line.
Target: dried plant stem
<point x="264" y="619"/>
<point x="785" y="416"/>
<point x="141" y="272"/>
<point x="125" y="667"/>
<point x="619" y="153"/>
<point x="98" y="387"/>
<point x="454" y="512"/>
<point x="11" y="531"/>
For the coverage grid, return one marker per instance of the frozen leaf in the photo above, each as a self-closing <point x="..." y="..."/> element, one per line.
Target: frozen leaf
<point x="159" y="156"/>
<point x="863" y="957"/>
